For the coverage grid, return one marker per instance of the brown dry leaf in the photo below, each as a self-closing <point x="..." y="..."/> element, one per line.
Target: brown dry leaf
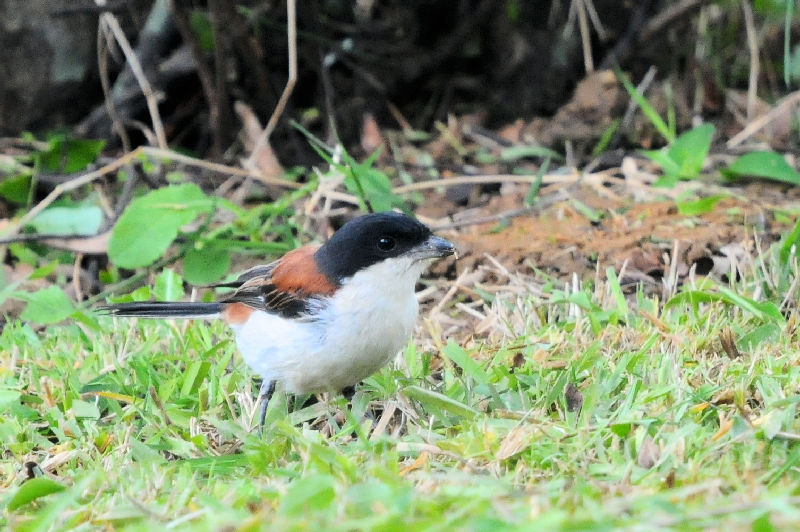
<point x="574" y="398"/>
<point x="649" y="453"/>
<point x="725" y="425"/>
<point x="696" y="409"/>
<point x="420" y="462"/>
<point x="729" y="343"/>
<point x="371" y="137"/>
<point x="266" y="161"/>
<point x="517" y="440"/>
<point x="723" y="397"/>
<point x="95" y="245"/>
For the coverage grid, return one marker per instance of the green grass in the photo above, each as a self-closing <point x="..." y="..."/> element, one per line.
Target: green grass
<point x="145" y="424"/>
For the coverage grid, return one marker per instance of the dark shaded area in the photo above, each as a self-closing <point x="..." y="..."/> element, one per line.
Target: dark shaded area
<point x="408" y="63"/>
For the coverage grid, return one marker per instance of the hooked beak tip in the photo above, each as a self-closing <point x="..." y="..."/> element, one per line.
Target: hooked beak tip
<point x="438" y="247"/>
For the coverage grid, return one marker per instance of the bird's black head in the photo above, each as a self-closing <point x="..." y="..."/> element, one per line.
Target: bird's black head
<point x="369" y="239"/>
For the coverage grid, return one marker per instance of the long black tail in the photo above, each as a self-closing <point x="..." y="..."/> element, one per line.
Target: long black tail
<point x="163" y="309"/>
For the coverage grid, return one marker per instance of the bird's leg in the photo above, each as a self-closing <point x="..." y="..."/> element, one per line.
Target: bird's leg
<point x="349" y="392"/>
<point x="264" y="396"/>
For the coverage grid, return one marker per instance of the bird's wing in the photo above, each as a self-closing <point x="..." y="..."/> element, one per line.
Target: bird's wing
<point x="283" y="287"/>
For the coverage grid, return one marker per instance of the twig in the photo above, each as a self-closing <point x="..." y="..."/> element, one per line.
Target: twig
<point x="501" y="216"/>
<point x="291" y="24"/>
<point x="642" y="87"/>
<point x="159" y="404"/>
<point x="110" y="21"/>
<point x="780" y="109"/>
<point x="752" y="45"/>
<point x="595" y="18"/>
<point x="586" y="39"/>
<point x="128" y="158"/>
<point x="665" y="18"/>
<point x="219" y="108"/>
<point x="103" y="46"/>
<point x="548" y="179"/>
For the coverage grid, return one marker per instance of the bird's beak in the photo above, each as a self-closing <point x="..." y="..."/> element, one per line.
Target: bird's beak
<point x="434" y="248"/>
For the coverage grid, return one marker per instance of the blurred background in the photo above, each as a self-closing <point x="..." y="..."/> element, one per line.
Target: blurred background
<point x="402" y="65"/>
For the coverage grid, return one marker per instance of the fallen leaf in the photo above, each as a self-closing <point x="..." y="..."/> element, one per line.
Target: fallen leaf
<point x="517" y="440"/>
<point x="649" y="453"/>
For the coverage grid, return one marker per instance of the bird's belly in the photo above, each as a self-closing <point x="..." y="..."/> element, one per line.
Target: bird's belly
<point x="340" y="349"/>
<point x="356" y="346"/>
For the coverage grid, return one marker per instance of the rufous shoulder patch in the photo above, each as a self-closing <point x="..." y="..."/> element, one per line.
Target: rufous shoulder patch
<point x="236" y="313"/>
<point x="297" y="272"/>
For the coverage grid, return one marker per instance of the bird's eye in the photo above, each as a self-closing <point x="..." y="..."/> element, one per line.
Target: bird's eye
<point x="386" y="243"/>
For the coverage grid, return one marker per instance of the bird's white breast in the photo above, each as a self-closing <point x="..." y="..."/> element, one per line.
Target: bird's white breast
<point x="356" y="331"/>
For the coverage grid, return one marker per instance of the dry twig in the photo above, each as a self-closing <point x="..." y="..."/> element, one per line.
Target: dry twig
<point x="109" y="21"/>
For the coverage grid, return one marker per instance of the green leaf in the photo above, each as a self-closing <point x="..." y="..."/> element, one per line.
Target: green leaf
<point x="206" y="265"/>
<point x="648" y="110"/>
<point x="201" y="27"/>
<point x="16" y="189"/>
<point x="49" y="305"/>
<point x="150" y="223"/>
<point x="461" y="358"/>
<point x="764" y="164"/>
<point x="8" y="397"/>
<point x="69" y="155"/>
<point x="440" y="400"/>
<point x="168" y="286"/>
<point x="84" y="409"/>
<point x="33" y="489"/>
<point x="683" y="159"/>
<point x="372" y="186"/>
<point x="193" y="377"/>
<point x="515" y="153"/>
<point x="671" y="168"/>
<point x="701" y="206"/>
<point x="84" y="220"/>
<point x="690" y="150"/>
<point x="792" y="239"/>
<point x="309" y="493"/>
<point x="763" y="334"/>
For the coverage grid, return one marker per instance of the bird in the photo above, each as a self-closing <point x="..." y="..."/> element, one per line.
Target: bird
<point x="321" y="318"/>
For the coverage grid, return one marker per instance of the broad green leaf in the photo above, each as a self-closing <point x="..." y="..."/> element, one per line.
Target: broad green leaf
<point x="33" y="489"/>
<point x="168" y="286"/>
<point x="8" y="397"/>
<point x="700" y="206"/>
<point x="84" y="409"/>
<point x="150" y="223"/>
<point x="309" y="493"/>
<point x="84" y="220"/>
<point x="69" y="155"/>
<point x="763" y="334"/>
<point x="690" y="150"/>
<point x="206" y="265"/>
<point x="764" y="164"/>
<point x="16" y="189"/>
<point x="683" y="159"/>
<point x="49" y="305"/>
<point x="671" y="168"/>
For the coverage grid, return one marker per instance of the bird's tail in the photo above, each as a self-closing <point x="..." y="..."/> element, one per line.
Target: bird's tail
<point x="163" y="309"/>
